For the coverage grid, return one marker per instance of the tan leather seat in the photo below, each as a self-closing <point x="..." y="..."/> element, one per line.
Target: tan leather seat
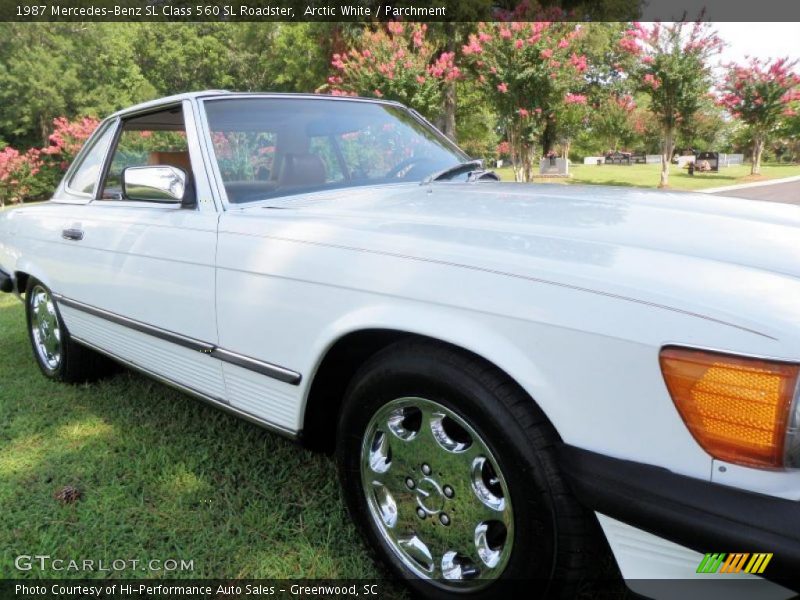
<point x="301" y="170"/>
<point x="172" y="159"/>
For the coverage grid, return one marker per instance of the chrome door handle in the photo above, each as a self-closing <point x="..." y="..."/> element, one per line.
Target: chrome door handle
<point x="72" y="234"/>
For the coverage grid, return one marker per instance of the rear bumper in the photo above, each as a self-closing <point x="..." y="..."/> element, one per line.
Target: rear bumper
<point x="704" y="516"/>
<point x="6" y="282"/>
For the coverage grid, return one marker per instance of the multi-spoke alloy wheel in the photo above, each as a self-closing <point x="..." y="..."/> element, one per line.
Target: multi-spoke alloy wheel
<point x="449" y="470"/>
<point x="436" y="493"/>
<point x="58" y="356"/>
<point x="45" y="328"/>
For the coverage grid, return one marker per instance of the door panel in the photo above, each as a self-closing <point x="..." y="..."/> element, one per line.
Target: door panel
<point x="137" y="278"/>
<point x="154" y="266"/>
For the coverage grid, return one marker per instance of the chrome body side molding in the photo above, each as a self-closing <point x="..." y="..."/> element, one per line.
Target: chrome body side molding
<point x="264" y="368"/>
<point x="216" y="402"/>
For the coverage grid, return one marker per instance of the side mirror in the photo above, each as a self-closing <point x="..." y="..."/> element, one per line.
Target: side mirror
<point x="154" y="184"/>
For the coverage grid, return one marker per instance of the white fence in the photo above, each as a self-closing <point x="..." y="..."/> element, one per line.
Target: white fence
<point x="726" y="160"/>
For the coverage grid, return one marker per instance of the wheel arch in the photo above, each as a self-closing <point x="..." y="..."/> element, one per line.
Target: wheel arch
<point x="24" y="271"/>
<point x="347" y="352"/>
<point x="21" y="279"/>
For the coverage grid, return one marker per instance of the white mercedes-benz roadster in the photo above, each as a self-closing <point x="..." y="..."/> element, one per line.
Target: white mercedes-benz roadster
<point x="515" y="379"/>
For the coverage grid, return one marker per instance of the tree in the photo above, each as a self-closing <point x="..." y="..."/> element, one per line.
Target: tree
<point x="526" y="70"/>
<point x="55" y="69"/>
<point x="708" y="129"/>
<point x="18" y="173"/>
<point x="572" y="119"/>
<point x="398" y="62"/>
<point x="34" y="173"/>
<point x="759" y="94"/>
<point x="613" y="121"/>
<point x="284" y="57"/>
<point x="673" y="69"/>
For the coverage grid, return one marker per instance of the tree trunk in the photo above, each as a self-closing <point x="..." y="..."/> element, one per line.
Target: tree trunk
<point x="516" y="159"/>
<point x="44" y="130"/>
<point x="527" y="162"/>
<point x="449" y="104"/>
<point x="548" y="137"/>
<point x="567" y="144"/>
<point x="758" y="149"/>
<point x="666" y="155"/>
<point x="450" y="101"/>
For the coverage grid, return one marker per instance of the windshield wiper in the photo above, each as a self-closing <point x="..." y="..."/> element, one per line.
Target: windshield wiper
<point x="474" y="168"/>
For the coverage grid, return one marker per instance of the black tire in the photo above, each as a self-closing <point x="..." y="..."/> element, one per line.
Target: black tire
<point x="556" y="541"/>
<point x="76" y="363"/>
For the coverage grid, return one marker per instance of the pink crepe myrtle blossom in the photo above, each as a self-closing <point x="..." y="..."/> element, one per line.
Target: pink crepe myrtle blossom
<point x="398" y="61"/>
<point x="578" y="62"/>
<point x="575" y="99"/>
<point x="68" y="136"/>
<point x="652" y="81"/>
<point x="474" y="46"/>
<point x="18" y="173"/>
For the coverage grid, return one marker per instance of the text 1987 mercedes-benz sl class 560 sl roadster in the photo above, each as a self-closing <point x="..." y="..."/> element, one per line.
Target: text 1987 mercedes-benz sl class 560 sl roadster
<point x="514" y="378"/>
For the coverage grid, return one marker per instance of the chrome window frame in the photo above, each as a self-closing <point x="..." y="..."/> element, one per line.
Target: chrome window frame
<point x="207" y="201"/>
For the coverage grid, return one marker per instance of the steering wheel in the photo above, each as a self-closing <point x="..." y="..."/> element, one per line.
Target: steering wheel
<point x="403" y="164"/>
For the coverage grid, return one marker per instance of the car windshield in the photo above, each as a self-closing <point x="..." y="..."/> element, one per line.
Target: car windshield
<point x="272" y="147"/>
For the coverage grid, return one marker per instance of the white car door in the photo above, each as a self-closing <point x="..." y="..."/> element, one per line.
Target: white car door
<point x="137" y="278"/>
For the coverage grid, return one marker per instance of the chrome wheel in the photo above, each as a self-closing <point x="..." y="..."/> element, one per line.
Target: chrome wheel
<point x="436" y="493"/>
<point x="45" y="328"/>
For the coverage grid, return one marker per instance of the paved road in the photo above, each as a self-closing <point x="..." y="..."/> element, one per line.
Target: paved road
<point x="779" y="192"/>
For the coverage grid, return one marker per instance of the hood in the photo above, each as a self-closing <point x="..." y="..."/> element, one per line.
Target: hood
<point x="726" y="258"/>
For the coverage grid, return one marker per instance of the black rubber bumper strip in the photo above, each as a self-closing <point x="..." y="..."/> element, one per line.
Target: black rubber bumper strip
<point x="6" y="283"/>
<point x="703" y="516"/>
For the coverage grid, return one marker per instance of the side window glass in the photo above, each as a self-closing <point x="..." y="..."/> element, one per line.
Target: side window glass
<point x="84" y="179"/>
<point x="153" y="139"/>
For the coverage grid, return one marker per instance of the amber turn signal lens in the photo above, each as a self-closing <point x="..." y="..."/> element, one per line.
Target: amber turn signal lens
<point x="736" y="408"/>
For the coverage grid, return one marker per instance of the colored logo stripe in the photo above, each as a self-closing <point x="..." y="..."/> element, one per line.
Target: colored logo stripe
<point x="735" y="562"/>
<point x="758" y="563"/>
<point x="710" y="563"/>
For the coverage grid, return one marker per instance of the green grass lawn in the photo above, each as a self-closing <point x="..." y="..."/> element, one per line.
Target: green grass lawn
<point x="162" y="476"/>
<point x="648" y="175"/>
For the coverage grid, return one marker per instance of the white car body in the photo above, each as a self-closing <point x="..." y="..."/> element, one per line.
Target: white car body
<point x="572" y="291"/>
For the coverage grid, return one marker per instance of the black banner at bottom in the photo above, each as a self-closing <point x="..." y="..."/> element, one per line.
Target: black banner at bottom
<point x="721" y="588"/>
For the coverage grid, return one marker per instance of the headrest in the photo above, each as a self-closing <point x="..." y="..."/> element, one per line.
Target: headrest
<point x="172" y="159"/>
<point x="301" y="170"/>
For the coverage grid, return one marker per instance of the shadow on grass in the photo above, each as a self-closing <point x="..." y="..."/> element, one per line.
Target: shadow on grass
<point x="162" y="476"/>
<point x="610" y="182"/>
